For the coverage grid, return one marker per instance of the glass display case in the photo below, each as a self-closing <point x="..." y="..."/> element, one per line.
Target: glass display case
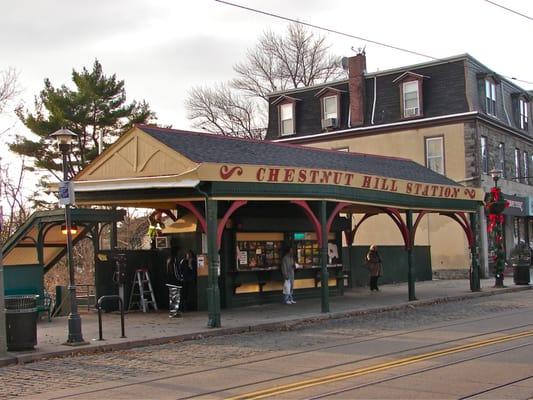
<point x="307" y="253"/>
<point x="259" y="251"/>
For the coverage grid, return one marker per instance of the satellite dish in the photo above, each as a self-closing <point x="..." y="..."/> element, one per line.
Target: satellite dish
<point x="344" y="63"/>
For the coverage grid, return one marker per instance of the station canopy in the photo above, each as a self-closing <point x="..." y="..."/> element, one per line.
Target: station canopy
<point x="157" y="167"/>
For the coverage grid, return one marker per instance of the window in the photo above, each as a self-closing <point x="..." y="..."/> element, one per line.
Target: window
<point x="490" y="97"/>
<point x="435" y="154"/>
<point x="501" y="159"/>
<point x="484" y="155"/>
<point x="517" y="164"/>
<point x="286" y="119"/>
<point x="523" y="105"/>
<point x="526" y="167"/>
<point x="330" y="107"/>
<point x="411" y="99"/>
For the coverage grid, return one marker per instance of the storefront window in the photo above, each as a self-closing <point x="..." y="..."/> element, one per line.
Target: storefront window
<point x="516" y="230"/>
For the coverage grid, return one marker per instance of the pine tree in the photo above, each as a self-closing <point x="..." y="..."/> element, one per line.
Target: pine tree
<point x="96" y="108"/>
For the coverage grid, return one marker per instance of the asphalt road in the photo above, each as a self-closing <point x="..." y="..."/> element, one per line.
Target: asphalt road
<point x="477" y="348"/>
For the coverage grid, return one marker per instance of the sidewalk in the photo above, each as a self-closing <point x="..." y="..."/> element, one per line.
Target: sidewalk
<point x="155" y="328"/>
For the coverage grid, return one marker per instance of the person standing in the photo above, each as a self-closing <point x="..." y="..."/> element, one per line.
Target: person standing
<point x="287" y="270"/>
<point x="188" y="271"/>
<point x="373" y="262"/>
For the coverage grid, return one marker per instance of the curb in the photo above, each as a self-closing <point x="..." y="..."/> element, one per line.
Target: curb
<point x="262" y="327"/>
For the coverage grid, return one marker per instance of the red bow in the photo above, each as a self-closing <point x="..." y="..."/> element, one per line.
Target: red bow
<point x="493" y="220"/>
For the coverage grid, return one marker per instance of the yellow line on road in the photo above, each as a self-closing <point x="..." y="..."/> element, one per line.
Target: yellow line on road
<point x="291" y="387"/>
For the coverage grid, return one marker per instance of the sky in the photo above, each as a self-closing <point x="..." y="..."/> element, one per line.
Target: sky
<point x="163" y="48"/>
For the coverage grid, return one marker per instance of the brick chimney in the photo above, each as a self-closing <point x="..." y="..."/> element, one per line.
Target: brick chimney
<point x="356" y="87"/>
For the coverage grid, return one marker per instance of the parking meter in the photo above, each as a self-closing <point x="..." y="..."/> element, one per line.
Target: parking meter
<point x="119" y="276"/>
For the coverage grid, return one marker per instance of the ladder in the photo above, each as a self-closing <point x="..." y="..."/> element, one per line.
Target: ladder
<point x="140" y="288"/>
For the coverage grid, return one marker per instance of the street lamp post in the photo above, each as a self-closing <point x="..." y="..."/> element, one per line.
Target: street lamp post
<point x="64" y="139"/>
<point x="495" y="206"/>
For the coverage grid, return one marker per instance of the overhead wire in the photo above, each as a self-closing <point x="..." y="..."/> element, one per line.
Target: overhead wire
<point x="509" y="9"/>
<point x="390" y="46"/>
<point x="329" y="30"/>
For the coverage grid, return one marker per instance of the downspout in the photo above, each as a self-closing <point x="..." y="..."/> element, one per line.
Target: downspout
<point x="504" y="109"/>
<point x="374" y="102"/>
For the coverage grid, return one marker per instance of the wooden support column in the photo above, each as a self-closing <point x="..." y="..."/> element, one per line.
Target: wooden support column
<point x="213" y="258"/>
<point x="349" y="239"/>
<point x="475" y="283"/>
<point x="409" y="244"/>
<point x="39" y="246"/>
<point x="324" y="276"/>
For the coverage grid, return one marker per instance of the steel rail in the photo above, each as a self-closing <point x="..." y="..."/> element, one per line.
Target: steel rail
<point x="336" y="377"/>
<point x="384" y="380"/>
<point x="295" y="353"/>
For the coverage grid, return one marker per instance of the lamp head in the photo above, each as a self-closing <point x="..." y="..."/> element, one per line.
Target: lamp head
<point x="496" y="174"/>
<point x="73" y="229"/>
<point x="64" y="137"/>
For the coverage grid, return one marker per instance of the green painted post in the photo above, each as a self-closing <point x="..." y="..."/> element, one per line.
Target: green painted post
<point x="475" y="283"/>
<point x="324" y="276"/>
<point x="213" y="292"/>
<point x="410" y="268"/>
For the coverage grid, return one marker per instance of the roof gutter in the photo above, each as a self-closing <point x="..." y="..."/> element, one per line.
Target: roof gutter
<point x="375" y="127"/>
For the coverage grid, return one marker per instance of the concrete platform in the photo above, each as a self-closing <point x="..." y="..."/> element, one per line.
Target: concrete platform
<point x="156" y="327"/>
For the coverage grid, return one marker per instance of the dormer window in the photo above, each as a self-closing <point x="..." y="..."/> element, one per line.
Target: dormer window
<point x="490" y="97"/>
<point x="286" y="119"/>
<point x="286" y="114"/>
<point x="411" y="94"/>
<point x="411" y="99"/>
<point x="329" y="107"/>
<point x="523" y="116"/>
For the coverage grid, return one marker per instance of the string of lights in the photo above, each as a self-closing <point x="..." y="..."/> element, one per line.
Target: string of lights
<point x="329" y="30"/>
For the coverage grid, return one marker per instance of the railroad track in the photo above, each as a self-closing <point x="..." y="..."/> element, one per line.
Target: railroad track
<point x="342" y="343"/>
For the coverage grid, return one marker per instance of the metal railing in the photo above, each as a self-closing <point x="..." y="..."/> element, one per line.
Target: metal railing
<point x="99" y="307"/>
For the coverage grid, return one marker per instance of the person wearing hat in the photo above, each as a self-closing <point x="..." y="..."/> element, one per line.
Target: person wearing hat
<point x="373" y="263"/>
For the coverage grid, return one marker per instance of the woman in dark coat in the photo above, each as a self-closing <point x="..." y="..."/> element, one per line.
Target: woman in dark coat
<point x="373" y="263"/>
<point x="188" y="271"/>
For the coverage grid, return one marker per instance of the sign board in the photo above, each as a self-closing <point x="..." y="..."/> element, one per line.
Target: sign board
<point x="310" y="176"/>
<point x="201" y="264"/>
<point x="162" y="242"/>
<point x="243" y="257"/>
<point x="66" y="193"/>
<point x="518" y="206"/>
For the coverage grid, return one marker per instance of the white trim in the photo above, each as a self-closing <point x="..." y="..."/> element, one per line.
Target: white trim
<point x="374" y="127"/>
<point x="136" y="183"/>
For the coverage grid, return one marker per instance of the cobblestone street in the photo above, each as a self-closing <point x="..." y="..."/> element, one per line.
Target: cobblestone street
<point x="60" y="373"/>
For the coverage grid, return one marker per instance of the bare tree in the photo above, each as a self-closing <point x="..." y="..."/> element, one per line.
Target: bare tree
<point x="133" y="230"/>
<point x="222" y="110"/>
<point x="8" y="87"/>
<point x="297" y="59"/>
<point x="12" y="196"/>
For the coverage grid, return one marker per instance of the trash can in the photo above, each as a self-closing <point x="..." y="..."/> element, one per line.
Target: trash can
<point x="174" y="301"/>
<point x="21" y="322"/>
<point x="521" y="273"/>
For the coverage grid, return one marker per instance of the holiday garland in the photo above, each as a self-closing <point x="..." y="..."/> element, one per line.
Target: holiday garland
<point x="494" y="206"/>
